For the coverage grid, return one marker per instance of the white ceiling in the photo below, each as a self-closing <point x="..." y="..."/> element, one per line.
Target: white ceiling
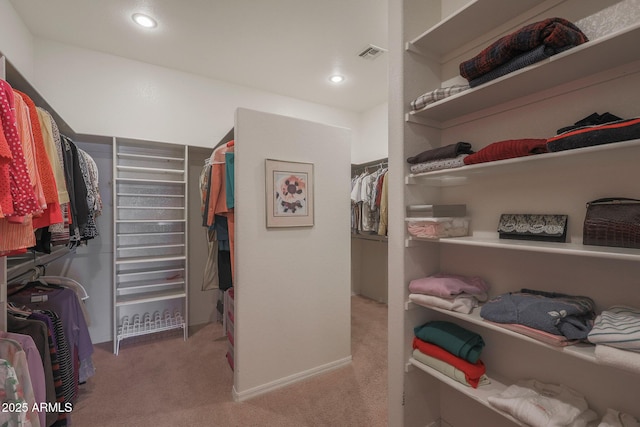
<point x="289" y="47"/>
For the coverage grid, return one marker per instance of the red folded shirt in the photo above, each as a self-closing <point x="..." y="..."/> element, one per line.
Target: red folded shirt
<point x="472" y="371"/>
<point x="508" y="149"/>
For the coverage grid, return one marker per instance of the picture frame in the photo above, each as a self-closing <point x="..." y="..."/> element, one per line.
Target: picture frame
<point x="289" y="194"/>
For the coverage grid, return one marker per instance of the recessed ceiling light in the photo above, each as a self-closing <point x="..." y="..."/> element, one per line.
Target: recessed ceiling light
<point x="144" y="20"/>
<point x="336" y="78"/>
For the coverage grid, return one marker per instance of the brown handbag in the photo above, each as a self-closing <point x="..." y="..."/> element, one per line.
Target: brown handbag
<point x="612" y="222"/>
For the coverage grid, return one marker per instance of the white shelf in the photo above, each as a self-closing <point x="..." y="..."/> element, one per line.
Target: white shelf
<point x="150" y="195"/>
<point x="583" y="351"/>
<point x="138" y="327"/>
<point x="148" y="170"/>
<point x="152" y="207"/>
<point x="147" y="284"/>
<point x="155" y="221"/>
<point x="468" y="24"/>
<point x="146" y="272"/>
<point x="579" y="62"/>
<point x="147" y="157"/>
<point x="176" y="233"/>
<point x="547" y="247"/>
<point x="519" y="165"/>
<point x="138" y="260"/>
<point x="138" y="247"/>
<point x="479" y="394"/>
<point x="140" y="298"/>
<point x="153" y="181"/>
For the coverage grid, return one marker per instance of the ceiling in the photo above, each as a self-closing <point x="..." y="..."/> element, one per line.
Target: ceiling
<point x="288" y="47"/>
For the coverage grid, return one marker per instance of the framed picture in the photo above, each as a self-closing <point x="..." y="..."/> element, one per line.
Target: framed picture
<point x="289" y="193"/>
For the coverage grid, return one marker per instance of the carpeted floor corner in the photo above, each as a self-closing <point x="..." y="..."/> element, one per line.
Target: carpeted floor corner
<point x="170" y="382"/>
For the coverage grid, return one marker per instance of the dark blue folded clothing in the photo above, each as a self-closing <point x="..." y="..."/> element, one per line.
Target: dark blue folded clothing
<point x="591" y="120"/>
<point x="520" y="61"/>
<point x="617" y="131"/>
<point x="455" y="339"/>
<point x="558" y="314"/>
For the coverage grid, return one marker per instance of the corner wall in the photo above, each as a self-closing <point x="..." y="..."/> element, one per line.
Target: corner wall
<point x="292" y="308"/>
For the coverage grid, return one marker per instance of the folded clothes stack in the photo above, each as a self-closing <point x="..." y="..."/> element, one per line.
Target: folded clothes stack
<point x="526" y="46"/>
<point x="447" y="157"/>
<point x="452" y="350"/>
<point x="449" y="292"/>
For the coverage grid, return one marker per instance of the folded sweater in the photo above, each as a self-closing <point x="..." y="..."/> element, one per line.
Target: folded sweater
<point x="453" y="338"/>
<point x="507" y="149"/>
<point x="552" y="32"/>
<point x="559" y="314"/>
<point x="472" y="371"/>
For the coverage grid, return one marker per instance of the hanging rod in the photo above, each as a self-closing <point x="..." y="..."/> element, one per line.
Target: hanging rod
<point x="37" y="262"/>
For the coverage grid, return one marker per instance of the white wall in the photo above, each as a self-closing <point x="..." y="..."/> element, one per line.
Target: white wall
<point x="451" y="6"/>
<point x="103" y="94"/>
<point x="293" y="284"/>
<point x="372" y="141"/>
<point x="16" y="42"/>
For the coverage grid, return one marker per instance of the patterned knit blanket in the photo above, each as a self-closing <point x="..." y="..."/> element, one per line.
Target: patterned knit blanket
<point x="552" y="32"/>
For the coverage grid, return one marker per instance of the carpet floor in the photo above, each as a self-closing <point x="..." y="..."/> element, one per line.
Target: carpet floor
<point x="169" y="382"/>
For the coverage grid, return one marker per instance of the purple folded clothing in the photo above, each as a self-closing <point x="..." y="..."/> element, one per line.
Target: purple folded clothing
<point x="618" y="131"/>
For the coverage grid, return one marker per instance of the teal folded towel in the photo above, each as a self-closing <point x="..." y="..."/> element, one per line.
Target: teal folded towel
<point x="453" y="338"/>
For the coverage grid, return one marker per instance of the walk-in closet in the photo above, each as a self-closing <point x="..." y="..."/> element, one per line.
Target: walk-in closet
<point x="369" y="217"/>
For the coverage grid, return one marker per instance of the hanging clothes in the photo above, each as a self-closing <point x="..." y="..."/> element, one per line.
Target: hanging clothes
<point x="217" y="186"/>
<point x="41" y="172"/>
<point x="74" y="346"/>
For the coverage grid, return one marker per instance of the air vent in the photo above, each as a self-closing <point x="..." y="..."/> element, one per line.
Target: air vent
<point x="371" y="52"/>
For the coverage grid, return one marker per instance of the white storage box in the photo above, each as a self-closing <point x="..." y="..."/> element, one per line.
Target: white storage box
<point x="434" y="228"/>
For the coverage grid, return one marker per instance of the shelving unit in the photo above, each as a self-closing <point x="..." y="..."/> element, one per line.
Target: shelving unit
<point x="150" y="239"/>
<point x="533" y="102"/>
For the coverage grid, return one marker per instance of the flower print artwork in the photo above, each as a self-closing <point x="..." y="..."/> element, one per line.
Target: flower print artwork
<point x="289" y="193"/>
